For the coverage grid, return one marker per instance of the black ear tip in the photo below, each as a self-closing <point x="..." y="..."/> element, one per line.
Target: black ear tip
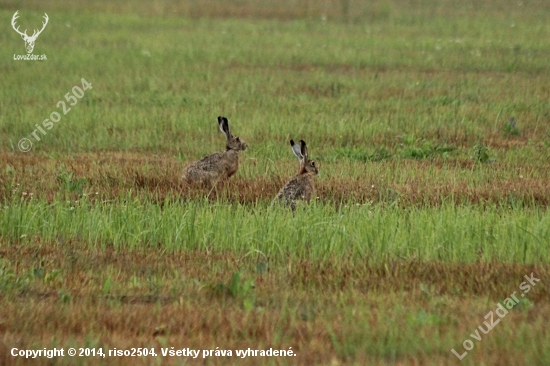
<point x="292" y="143"/>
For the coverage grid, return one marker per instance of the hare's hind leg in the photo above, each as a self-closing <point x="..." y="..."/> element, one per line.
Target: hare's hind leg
<point x="197" y="178"/>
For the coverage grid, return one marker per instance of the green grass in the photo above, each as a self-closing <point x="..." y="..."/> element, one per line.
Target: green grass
<point x="321" y="232"/>
<point x="158" y="87"/>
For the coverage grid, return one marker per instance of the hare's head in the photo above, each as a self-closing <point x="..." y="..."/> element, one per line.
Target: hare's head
<point x="233" y="142"/>
<point x="306" y="165"/>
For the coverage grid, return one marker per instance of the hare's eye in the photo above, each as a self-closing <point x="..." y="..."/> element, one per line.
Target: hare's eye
<point x="312" y="163"/>
<point x="238" y="140"/>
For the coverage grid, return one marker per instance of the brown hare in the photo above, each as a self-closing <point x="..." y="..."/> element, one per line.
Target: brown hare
<point x="299" y="187"/>
<point x="218" y="166"/>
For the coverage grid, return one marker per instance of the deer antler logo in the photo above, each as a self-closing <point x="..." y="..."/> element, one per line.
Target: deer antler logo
<point x="29" y="41"/>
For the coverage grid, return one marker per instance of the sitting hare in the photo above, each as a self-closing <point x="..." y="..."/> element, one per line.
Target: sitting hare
<point x="299" y="187"/>
<point x="218" y="166"/>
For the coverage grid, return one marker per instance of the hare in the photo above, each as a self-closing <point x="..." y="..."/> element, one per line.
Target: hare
<point x="299" y="187"/>
<point x="218" y="166"/>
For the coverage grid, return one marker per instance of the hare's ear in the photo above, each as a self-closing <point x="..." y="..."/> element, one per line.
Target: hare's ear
<point x="296" y="150"/>
<point x="224" y="126"/>
<point x="303" y="148"/>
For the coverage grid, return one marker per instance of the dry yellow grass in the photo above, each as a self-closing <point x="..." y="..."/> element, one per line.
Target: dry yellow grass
<point x="413" y="182"/>
<point x="157" y="299"/>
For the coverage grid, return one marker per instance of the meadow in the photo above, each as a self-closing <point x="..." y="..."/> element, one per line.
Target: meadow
<point x="430" y="123"/>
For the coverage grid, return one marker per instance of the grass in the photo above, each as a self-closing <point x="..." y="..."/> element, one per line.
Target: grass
<point x="320" y="233"/>
<point x="429" y="122"/>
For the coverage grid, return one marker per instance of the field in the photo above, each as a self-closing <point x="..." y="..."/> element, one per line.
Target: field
<point x="430" y="123"/>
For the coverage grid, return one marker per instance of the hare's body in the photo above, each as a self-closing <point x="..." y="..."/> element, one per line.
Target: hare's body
<point x="218" y="166"/>
<point x="301" y="186"/>
<point x="211" y="168"/>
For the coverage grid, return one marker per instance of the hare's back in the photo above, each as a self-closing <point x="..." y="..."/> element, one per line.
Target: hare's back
<point x="209" y="163"/>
